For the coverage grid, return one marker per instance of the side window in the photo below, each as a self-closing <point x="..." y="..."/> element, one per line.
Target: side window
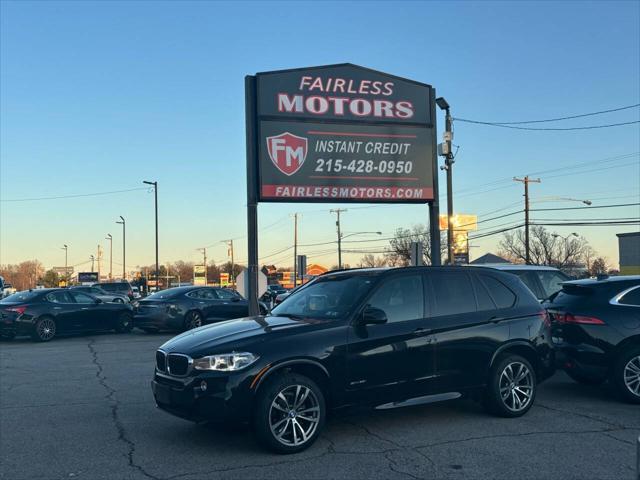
<point x="631" y="298"/>
<point x="551" y="282"/>
<point x="225" y="294"/>
<point x="401" y="298"/>
<point x="80" y="297"/>
<point x="453" y="293"/>
<point x="95" y="291"/>
<point x="530" y="279"/>
<point x="194" y="294"/>
<point x="503" y="297"/>
<point x="484" y="300"/>
<point x="208" y="294"/>
<point x="59" y="297"/>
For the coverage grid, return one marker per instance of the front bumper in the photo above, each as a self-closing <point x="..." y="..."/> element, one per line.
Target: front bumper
<point x="225" y="398"/>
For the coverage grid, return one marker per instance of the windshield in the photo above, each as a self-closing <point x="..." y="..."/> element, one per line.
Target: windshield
<point x="327" y="297"/>
<point x="20" y="297"/>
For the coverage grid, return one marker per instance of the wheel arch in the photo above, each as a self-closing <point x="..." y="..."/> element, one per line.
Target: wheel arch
<point x="629" y="342"/>
<point x="518" y="347"/>
<point x="310" y="368"/>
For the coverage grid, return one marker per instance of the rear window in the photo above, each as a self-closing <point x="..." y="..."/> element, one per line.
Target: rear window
<point x="20" y="297"/>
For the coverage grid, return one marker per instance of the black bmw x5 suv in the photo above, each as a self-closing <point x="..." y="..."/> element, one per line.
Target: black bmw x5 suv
<point x="382" y="338"/>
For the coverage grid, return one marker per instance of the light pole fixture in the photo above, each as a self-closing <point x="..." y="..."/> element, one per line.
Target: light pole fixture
<point x="155" y="190"/>
<point x="66" y="251"/>
<point x="124" y="247"/>
<point x="360" y="233"/>
<point x="110" y="238"/>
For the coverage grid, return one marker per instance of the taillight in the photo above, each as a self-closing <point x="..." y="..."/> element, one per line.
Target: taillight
<point x="544" y="315"/>
<point x="19" y="310"/>
<point x="576" y="319"/>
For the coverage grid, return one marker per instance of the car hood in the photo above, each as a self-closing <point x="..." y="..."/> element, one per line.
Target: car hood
<point x="206" y="339"/>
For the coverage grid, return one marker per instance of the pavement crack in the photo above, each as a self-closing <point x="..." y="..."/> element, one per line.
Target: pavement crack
<point x="115" y="406"/>
<point x="582" y="415"/>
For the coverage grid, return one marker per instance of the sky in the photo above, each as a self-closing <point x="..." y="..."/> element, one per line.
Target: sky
<point x="99" y="96"/>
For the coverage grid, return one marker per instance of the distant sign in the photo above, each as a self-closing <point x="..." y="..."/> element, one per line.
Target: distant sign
<point x="63" y="270"/>
<point x="461" y="222"/>
<point x="344" y="133"/>
<point x="224" y="279"/>
<point x="88" y="277"/>
<point x="242" y="281"/>
<point x="199" y="275"/>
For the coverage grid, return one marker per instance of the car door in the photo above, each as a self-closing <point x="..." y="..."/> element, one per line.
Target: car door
<point x="233" y="305"/>
<point x="464" y="328"/>
<point x="394" y="360"/>
<point x="89" y="314"/>
<point x="63" y="308"/>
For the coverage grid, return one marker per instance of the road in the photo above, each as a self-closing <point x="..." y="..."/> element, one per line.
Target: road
<point x="82" y="408"/>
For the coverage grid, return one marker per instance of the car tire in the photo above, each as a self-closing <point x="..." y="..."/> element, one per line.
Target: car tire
<point x="626" y="374"/>
<point x="512" y="387"/>
<point x="192" y="320"/>
<point x="124" y="323"/>
<point x="584" y="379"/>
<point x="278" y="422"/>
<point x="44" y="329"/>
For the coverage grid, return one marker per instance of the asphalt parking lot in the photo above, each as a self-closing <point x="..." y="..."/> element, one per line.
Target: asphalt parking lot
<point x="82" y="408"/>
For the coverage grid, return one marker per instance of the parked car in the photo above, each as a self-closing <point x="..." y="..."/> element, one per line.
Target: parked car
<point x="48" y="312"/>
<point x="383" y="338"/>
<point x="136" y="292"/>
<point x="184" y="308"/>
<point x="103" y="295"/>
<point x="272" y="292"/>
<point x="596" y="326"/>
<point x="542" y="280"/>
<point x="121" y="288"/>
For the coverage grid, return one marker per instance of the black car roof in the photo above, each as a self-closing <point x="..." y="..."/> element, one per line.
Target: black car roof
<point x="384" y="270"/>
<point x="619" y="280"/>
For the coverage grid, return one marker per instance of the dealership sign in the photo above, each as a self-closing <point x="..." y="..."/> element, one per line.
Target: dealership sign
<point x="343" y="133"/>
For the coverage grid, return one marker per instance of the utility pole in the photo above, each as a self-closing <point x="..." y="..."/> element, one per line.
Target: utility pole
<point x="337" y="211"/>
<point x="155" y="190"/>
<point x="124" y="247"/>
<point x="110" y="238"/>
<point x="99" y="263"/>
<point x="92" y="262"/>
<point x="66" y="251"/>
<point x="204" y="254"/>
<point x="230" y="253"/>
<point x="295" y="249"/>
<point x="446" y="151"/>
<point x="526" y="180"/>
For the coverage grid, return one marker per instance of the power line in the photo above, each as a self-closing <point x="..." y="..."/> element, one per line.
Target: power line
<point x="585" y="208"/>
<point x="95" y="194"/>
<point x="554" y="119"/>
<point x="590" y="127"/>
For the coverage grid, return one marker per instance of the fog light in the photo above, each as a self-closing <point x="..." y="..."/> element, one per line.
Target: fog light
<point x="203" y="386"/>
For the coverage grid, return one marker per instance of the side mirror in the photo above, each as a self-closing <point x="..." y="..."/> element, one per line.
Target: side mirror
<point x="373" y="316"/>
<point x="235" y="299"/>
<point x="98" y="300"/>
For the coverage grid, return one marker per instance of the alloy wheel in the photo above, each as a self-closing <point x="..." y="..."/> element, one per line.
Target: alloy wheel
<point x="46" y="329"/>
<point x="294" y="415"/>
<point x="516" y="386"/>
<point x="632" y="375"/>
<point x="194" y="321"/>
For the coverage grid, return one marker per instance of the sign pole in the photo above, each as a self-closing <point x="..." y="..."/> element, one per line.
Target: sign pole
<point x="252" y="195"/>
<point x="434" y="206"/>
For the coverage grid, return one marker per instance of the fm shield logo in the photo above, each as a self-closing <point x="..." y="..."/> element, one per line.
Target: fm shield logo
<point x="287" y="152"/>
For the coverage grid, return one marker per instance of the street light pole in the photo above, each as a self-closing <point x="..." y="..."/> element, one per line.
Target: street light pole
<point x="66" y="251"/>
<point x="92" y="262"/>
<point x="155" y="190"/>
<point x="110" y="238"/>
<point x="447" y="153"/>
<point x="124" y="247"/>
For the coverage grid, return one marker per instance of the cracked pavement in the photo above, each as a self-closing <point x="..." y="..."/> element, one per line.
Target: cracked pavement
<point x="82" y="408"/>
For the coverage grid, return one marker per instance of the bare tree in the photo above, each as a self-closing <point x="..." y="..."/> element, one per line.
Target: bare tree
<point x="24" y="275"/>
<point x="598" y="267"/>
<point x="399" y="251"/>
<point x="546" y="248"/>
<point x="370" y="260"/>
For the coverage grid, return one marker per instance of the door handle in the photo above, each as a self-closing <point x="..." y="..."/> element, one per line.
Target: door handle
<point x="421" y="331"/>
<point x="84" y="308"/>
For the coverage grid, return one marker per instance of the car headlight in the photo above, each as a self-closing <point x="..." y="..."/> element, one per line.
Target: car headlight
<point x="227" y="362"/>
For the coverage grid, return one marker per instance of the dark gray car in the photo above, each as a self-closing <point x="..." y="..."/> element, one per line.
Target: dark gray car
<point x="103" y="295"/>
